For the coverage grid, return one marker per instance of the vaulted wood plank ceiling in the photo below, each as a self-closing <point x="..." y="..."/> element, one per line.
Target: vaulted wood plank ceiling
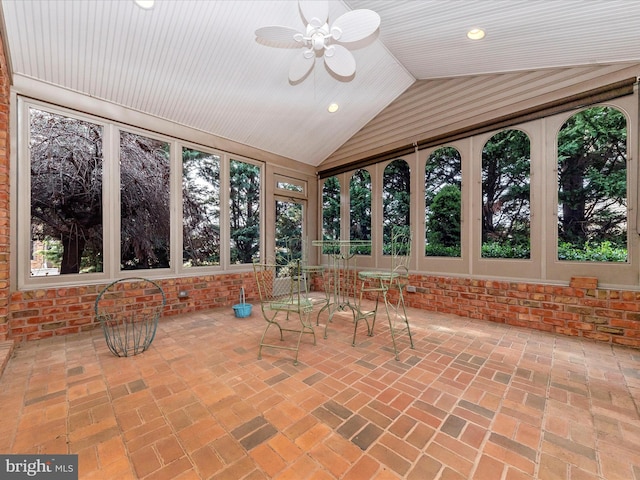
<point x="199" y="64"/>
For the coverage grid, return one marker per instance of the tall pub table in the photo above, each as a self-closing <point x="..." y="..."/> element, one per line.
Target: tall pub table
<point x="343" y="277"/>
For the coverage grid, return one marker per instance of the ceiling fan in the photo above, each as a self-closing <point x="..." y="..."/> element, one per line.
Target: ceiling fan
<point x="320" y="39"/>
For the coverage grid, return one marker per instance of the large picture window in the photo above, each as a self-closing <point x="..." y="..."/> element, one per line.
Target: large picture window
<point x="244" y="205"/>
<point x="145" y="220"/>
<point x="66" y="168"/>
<point x="200" y="208"/>
<point x="100" y="208"/>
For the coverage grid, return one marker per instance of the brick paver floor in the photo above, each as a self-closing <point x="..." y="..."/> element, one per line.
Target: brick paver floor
<point x="473" y="400"/>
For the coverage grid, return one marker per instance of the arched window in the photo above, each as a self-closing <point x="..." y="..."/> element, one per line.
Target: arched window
<point x="506" y="215"/>
<point x="396" y="198"/>
<point x="330" y="211"/>
<point x="592" y="186"/>
<point x="360" y="208"/>
<point x="442" y="199"/>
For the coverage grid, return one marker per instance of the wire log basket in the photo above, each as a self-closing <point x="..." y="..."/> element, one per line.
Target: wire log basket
<point x="128" y="311"/>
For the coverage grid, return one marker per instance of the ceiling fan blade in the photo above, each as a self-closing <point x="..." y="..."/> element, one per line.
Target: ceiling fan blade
<point x="355" y="25"/>
<point x="315" y="12"/>
<point x="302" y="65"/>
<point x="340" y="60"/>
<point x="278" y="34"/>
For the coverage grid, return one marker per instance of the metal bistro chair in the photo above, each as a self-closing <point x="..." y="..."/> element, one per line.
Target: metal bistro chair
<point x="128" y="311"/>
<point x="279" y="288"/>
<point x="314" y="282"/>
<point x="385" y="283"/>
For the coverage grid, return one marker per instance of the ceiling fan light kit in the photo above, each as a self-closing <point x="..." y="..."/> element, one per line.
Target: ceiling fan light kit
<point x="322" y="40"/>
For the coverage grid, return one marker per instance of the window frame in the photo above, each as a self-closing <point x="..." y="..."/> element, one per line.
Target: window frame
<point x="200" y="269"/>
<point x="23" y="198"/>
<point x="424" y="187"/>
<point x="370" y="219"/>
<point x="21" y="216"/>
<point x="585" y="175"/>
<point x="225" y="218"/>
<point x="410" y="164"/>
<point x="454" y="265"/>
<point x="542" y="266"/>
<point x="528" y="181"/>
<point x="115" y="199"/>
<point x="608" y="273"/>
<point x="279" y="178"/>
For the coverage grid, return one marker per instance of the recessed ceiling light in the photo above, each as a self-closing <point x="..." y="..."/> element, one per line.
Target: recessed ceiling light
<point x="333" y="108"/>
<point x="475" y="34"/>
<point x="146" y="4"/>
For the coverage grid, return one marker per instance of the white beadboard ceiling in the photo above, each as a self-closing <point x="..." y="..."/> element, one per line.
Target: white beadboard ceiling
<point x="198" y="63"/>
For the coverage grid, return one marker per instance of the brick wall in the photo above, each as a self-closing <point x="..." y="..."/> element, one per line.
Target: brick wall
<point x="4" y="196"/>
<point x="42" y="313"/>
<point x="580" y="309"/>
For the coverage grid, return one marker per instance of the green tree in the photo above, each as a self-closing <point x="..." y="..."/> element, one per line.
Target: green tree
<point x="443" y="223"/>
<point x="245" y="211"/>
<point x="200" y="208"/>
<point x="331" y="209"/>
<point x="360" y="205"/>
<point x="360" y="209"/>
<point x="444" y="167"/>
<point x="592" y="178"/>
<point x="396" y="198"/>
<point x="506" y="192"/>
<point x="443" y="174"/>
<point x="66" y="188"/>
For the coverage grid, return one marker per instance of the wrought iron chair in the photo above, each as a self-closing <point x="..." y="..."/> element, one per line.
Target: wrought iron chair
<point x="128" y="311"/>
<point x="281" y="294"/>
<point x="293" y="249"/>
<point x="384" y="283"/>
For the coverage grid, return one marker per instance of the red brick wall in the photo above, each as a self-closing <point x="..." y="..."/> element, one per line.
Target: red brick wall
<point x="4" y="195"/>
<point x="43" y="313"/>
<point x="581" y="309"/>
